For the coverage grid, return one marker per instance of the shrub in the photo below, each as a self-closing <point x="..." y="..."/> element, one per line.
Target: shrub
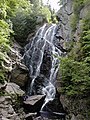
<point x="75" y="77"/>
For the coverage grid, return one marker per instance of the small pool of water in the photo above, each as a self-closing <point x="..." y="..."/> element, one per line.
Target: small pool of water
<point x="53" y="115"/>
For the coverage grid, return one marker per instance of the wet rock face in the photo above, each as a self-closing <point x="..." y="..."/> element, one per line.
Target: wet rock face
<point x="40" y="58"/>
<point x="40" y="81"/>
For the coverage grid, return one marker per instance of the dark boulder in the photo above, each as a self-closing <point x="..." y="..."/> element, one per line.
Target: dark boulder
<point x="34" y="103"/>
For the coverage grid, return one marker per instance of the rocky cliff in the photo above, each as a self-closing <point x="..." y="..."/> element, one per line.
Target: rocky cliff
<point x="66" y="16"/>
<point x="71" y="17"/>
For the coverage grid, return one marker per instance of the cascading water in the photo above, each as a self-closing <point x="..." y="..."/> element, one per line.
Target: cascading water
<point x="41" y="57"/>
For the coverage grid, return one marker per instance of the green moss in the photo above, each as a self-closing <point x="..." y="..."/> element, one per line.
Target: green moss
<point x="74" y="21"/>
<point x="77" y="6"/>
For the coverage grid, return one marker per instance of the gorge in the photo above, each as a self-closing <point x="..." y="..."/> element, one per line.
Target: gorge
<point x="44" y="60"/>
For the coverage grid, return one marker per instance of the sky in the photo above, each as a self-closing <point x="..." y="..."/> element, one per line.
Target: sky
<point x="54" y="4"/>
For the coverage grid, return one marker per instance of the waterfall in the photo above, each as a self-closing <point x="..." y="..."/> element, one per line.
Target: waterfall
<point x="41" y="58"/>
